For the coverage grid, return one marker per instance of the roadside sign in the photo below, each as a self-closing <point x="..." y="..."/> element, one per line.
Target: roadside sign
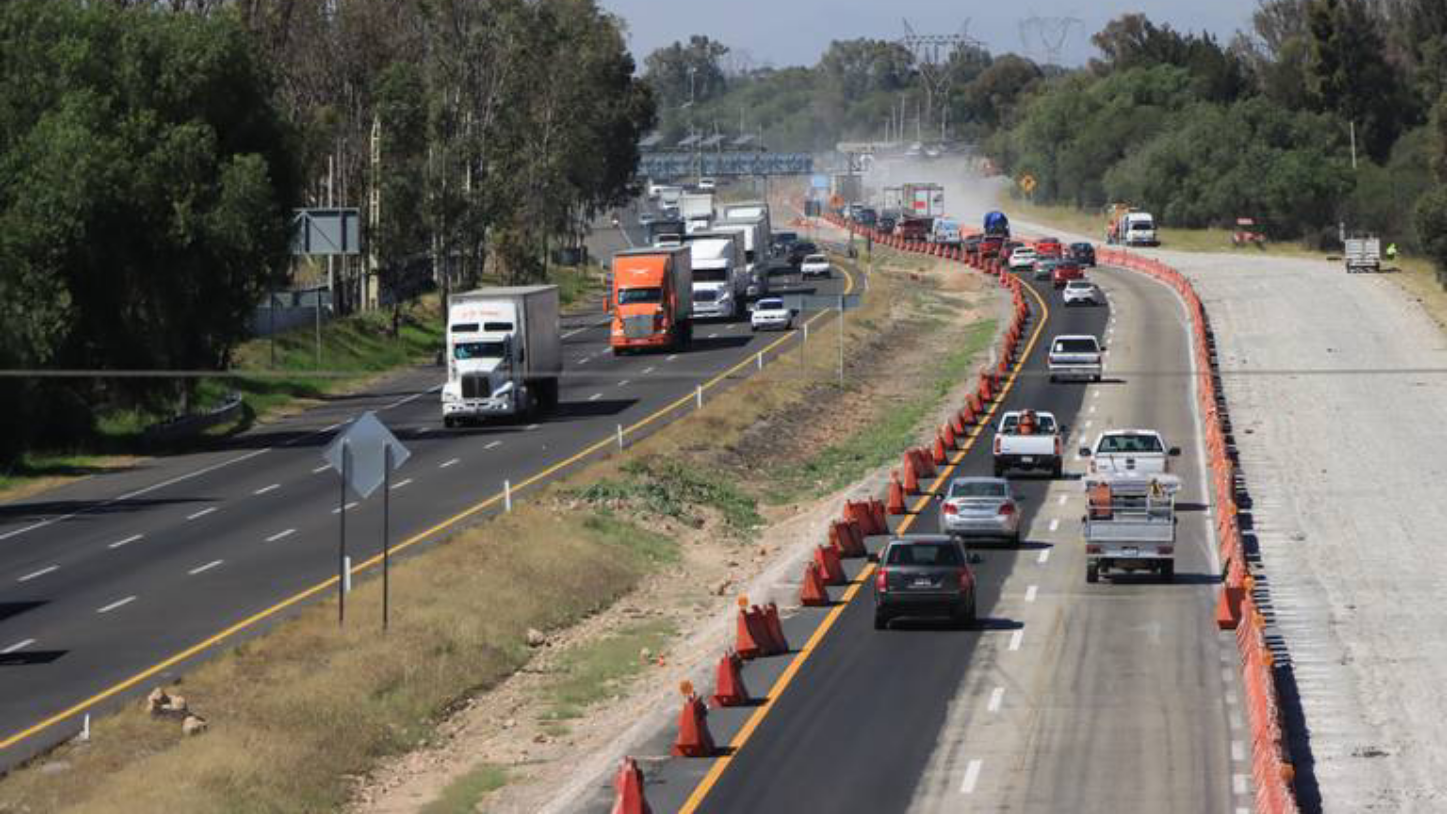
<point x="365" y="443"/>
<point x="326" y="231"/>
<point x="1027" y="183"/>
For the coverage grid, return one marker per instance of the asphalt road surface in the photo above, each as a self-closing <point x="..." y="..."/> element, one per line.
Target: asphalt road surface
<point x="1114" y="697"/>
<point x="116" y="582"/>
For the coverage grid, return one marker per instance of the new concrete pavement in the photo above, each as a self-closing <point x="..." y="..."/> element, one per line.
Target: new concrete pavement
<point x="1118" y="696"/>
<point x="112" y="584"/>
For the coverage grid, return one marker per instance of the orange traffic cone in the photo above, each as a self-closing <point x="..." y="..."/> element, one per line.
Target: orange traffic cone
<point x="694" y="739"/>
<point x="976" y="406"/>
<point x="937" y="452"/>
<point x="926" y="464"/>
<point x="947" y="434"/>
<point x="747" y="641"/>
<point x="895" y="503"/>
<point x="986" y="392"/>
<point x="628" y="784"/>
<point x="957" y="424"/>
<point x="775" y="627"/>
<point x="812" y="592"/>
<point x="877" y="511"/>
<point x="855" y="532"/>
<point x="729" y="689"/>
<point x="911" y="478"/>
<point x="827" y="559"/>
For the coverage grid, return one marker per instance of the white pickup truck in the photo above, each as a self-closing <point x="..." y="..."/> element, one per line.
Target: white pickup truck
<point x="1075" y="357"/>
<point x="1029" y="440"/>
<point x="1129" y="452"/>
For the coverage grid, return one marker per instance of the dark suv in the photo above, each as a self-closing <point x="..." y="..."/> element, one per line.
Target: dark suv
<point x="1083" y="253"/>
<point x="799" y="250"/>
<point x="924" y="576"/>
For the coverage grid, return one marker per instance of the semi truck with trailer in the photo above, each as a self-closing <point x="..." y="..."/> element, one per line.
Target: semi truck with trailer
<point x="652" y="299"/>
<point x="504" y="353"/>
<point x="756" y="236"/>
<point x="720" y="278"/>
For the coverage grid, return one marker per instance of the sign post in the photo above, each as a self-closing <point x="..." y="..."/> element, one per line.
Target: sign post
<point x="365" y="453"/>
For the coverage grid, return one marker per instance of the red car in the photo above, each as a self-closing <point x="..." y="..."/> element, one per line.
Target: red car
<point x="1048" y="247"/>
<point x="1065" y="272"/>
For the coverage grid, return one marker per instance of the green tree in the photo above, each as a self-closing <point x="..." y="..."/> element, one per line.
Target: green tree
<point x="1350" y="75"/>
<point x="682" y="71"/>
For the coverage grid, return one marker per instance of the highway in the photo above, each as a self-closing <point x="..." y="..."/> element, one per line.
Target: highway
<point x="1118" y="696"/>
<point x="117" y="582"/>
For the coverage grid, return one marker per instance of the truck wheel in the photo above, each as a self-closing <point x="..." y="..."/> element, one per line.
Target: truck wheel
<point x="1057" y="471"/>
<point x="999" y="471"/>
<point x="1092" y="573"/>
<point x="1096" y="378"/>
<point x="449" y="422"/>
<point x="881" y="622"/>
<point x="1168" y="571"/>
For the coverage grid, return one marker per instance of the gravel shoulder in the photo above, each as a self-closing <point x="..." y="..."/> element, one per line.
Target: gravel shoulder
<point x="1337" y="388"/>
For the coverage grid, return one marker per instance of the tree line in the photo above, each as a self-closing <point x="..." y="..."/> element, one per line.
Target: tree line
<point x="153" y="153"/>
<point x="1323" y="113"/>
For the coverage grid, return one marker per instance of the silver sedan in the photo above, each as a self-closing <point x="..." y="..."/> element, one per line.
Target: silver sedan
<point x="979" y="507"/>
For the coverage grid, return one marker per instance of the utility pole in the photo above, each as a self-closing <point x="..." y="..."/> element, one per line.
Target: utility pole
<point x="932" y="53"/>
<point x="374" y="201"/>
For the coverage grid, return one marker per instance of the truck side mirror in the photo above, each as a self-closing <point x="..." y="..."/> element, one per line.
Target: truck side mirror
<point x="1175" y="452"/>
<point x="1084" y="452"/>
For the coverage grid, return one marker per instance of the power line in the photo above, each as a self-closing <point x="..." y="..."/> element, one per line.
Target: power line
<point x="1047" y="35"/>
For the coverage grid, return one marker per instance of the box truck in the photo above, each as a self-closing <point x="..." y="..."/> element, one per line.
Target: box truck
<point x="755" y="232"/>
<point x="504" y="353"/>
<point x="652" y="299"/>
<point x="696" y="210"/>
<point x="924" y="200"/>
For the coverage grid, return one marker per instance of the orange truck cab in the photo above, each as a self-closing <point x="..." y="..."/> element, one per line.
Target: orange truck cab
<point x="652" y="299"/>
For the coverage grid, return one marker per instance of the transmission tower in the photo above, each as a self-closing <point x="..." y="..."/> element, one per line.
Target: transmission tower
<point x="932" y="54"/>
<point x="1047" y="35"/>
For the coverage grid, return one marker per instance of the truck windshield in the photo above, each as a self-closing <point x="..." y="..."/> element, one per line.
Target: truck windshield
<point x="705" y="295"/>
<point x="633" y="295"/>
<point x="710" y="275"/>
<point x="479" y="350"/>
<point x="1076" y="346"/>
<point x="1130" y="443"/>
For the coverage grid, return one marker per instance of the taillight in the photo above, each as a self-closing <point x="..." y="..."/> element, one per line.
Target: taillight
<point x="1057" y="446"/>
<point x="1165" y="549"/>
<point x="881" y="580"/>
<point x="997" y="445"/>
<point x="964" y="575"/>
<point x="1092" y="549"/>
<point x="1006" y="509"/>
<point x="951" y="508"/>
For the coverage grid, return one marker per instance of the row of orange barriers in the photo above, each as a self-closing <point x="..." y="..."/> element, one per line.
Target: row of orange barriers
<point x="759" y="633"/>
<point x="1272" y="769"/>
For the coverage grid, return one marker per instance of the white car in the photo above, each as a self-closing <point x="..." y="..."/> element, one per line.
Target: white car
<point x="1080" y="292"/>
<point x="1075" y="356"/>
<point x="770" y="313"/>
<point x="814" y="265"/>
<point x="707" y="185"/>
<point x="1022" y="259"/>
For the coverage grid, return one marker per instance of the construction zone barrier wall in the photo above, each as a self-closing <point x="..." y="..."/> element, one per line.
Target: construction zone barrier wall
<point x="1236" y="608"/>
<point x="759" y="633"/>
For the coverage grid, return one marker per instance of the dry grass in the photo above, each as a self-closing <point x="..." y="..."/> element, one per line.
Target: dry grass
<point x="298" y="713"/>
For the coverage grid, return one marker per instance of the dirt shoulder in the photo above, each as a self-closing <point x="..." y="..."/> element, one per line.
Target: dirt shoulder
<point x="778" y="456"/>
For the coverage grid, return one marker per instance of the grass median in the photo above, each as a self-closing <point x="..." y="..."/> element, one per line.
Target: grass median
<point x="297" y="714"/>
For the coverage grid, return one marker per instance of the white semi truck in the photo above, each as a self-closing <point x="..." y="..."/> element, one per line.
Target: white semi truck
<point x="756" y="236"/>
<point x="720" y="277"/>
<point x="504" y="353"/>
<point x="696" y="210"/>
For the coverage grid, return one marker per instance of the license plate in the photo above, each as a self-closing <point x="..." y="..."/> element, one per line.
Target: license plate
<point x="1026" y="459"/>
<point x="921" y="582"/>
<point x="1132" y="551"/>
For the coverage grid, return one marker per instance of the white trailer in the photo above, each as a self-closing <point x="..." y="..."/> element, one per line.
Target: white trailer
<point x="720" y="277"/>
<point x="755" y="231"/>
<point x="504" y="353"/>
<point x="696" y="210"/>
<point x="1363" y="254"/>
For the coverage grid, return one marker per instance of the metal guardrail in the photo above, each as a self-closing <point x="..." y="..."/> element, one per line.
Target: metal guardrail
<point x="190" y="425"/>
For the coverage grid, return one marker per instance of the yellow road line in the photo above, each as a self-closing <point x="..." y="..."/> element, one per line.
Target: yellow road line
<point x="721" y="764"/>
<point x="373" y="561"/>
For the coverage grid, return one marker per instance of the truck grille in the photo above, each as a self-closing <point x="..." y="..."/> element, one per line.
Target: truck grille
<point x="639" y="327"/>
<point x="476" y="387"/>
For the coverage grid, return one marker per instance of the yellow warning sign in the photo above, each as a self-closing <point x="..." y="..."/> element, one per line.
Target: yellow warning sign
<point x="1027" y="183"/>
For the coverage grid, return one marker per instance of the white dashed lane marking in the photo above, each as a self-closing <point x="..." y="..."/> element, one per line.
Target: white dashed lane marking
<point x="263" y="490"/>
<point x="280" y="535"/>
<point x="996" y="697"/>
<point x="595" y="397"/>
<point x="202" y="513"/>
<point x="1062" y="499"/>
<point x="37" y="574"/>
<point x="127" y="541"/>
<point x="1044" y="555"/>
<point x="647" y="370"/>
<point x="201" y="569"/>
<point x="671" y="358"/>
<point x="1030" y="593"/>
<point x="623" y="383"/>
<point x="322" y="468"/>
<point x="401" y="483"/>
<point x="972" y="776"/>
<point x="1055" y="524"/>
<point x="21" y="645"/>
<point x="446" y="464"/>
<point x="1016" y="638"/>
<point x="493" y="445"/>
<point x="349" y="507"/>
<point x="116" y="604"/>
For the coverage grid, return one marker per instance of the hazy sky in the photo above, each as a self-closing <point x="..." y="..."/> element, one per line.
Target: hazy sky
<point x="795" y="32"/>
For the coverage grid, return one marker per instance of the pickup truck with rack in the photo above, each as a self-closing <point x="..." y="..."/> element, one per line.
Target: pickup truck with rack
<point x="1130" y="524"/>
<point x="1028" y="440"/>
